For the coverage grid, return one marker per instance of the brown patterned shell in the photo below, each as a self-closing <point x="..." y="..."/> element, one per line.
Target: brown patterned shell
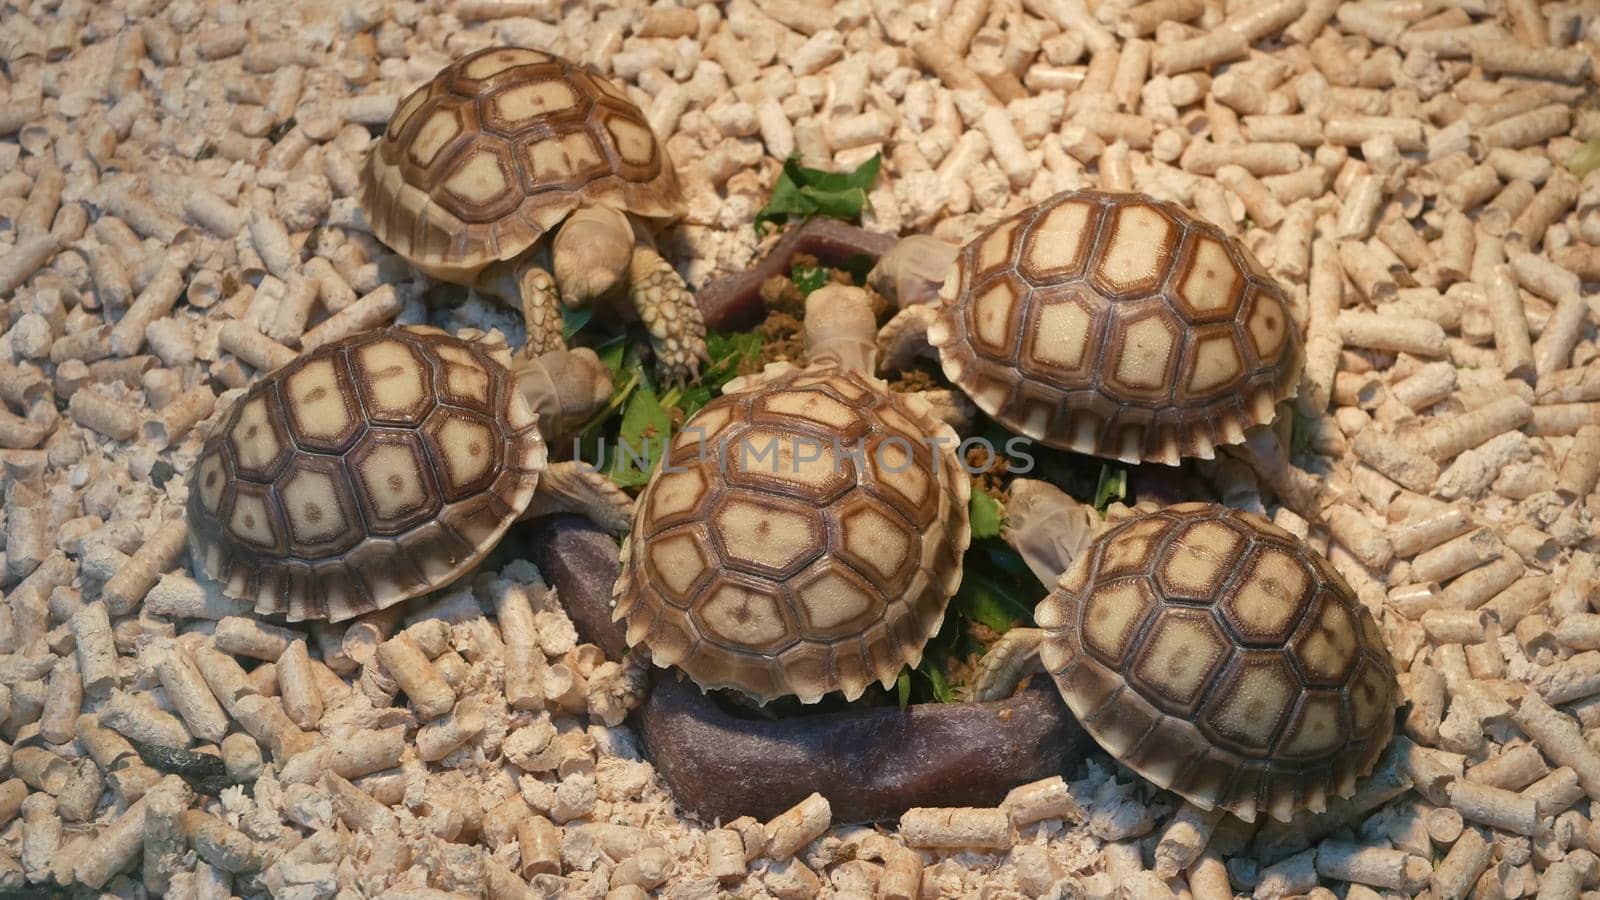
<point x="1117" y="325"/>
<point x="363" y="473"/>
<point x="1220" y="657"/>
<point x="766" y="559"/>
<point x="497" y="149"/>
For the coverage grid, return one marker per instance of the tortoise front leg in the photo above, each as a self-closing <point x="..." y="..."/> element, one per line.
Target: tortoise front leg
<point x="541" y="311"/>
<point x="669" y="313"/>
<point x="577" y="487"/>
<point x="1007" y="662"/>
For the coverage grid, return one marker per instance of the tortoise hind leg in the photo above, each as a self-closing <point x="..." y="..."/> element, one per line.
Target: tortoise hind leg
<point x="669" y="313"/>
<point x="1008" y="661"/>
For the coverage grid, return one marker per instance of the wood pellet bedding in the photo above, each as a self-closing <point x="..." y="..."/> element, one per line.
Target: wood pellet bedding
<point x="179" y="215"/>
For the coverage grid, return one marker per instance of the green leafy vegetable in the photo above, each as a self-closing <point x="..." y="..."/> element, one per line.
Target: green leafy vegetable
<point x="809" y="278"/>
<point x="646" y="428"/>
<point x="985" y="513"/>
<point x="801" y="193"/>
<point x="991" y="601"/>
<point x="728" y="351"/>
<point x="902" y="685"/>
<point x="573" y="320"/>
<point x="1113" y="485"/>
<point x="936" y="679"/>
<point x="1585" y="160"/>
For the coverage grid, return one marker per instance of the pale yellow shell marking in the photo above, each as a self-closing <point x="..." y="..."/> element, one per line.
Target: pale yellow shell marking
<point x="525" y="101"/>
<point x="996" y="248"/>
<point x="1132" y="547"/>
<point x="1327" y="647"/>
<point x="407" y="110"/>
<point x="1199" y="559"/>
<point x="1147" y="347"/>
<point x="676" y="492"/>
<point x="1267" y="325"/>
<point x="467" y="450"/>
<point x="1110" y="615"/>
<point x="250" y="522"/>
<point x="898" y="471"/>
<point x="491" y="64"/>
<point x="389" y="474"/>
<point x="1059" y="238"/>
<point x="314" y="392"/>
<point x="464" y="377"/>
<point x="1368" y="694"/>
<point x="1254" y="703"/>
<point x="634" y="142"/>
<point x="393" y="379"/>
<point x="787" y="457"/>
<point x="743" y="617"/>
<point x="1216" y="362"/>
<point x="1212" y="279"/>
<point x="1315" y="730"/>
<point x="440" y="128"/>
<point x="478" y="179"/>
<point x="255" y="443"/>
<point x="1179" y="654"/>
<point x="678" y="561"/>
<point x="1139" y="248"/>
<point x="812" y="406"/>
<point x="764" y="536"/>
<point x="702" y="431"/>
<point x="831" y="600"/>
<point x="557" y="159"/>
<point x="213" y="481"/>
<point x="991" y="316"/>
<point x="311" y="504"/>
<point x="1061" y="337"/>
<point x="877" y="541"/>
<point x="1270" y="596"/>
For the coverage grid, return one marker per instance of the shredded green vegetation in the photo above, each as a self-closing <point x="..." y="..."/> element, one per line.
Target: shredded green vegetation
<point x="1585" y="160"/>
<point x="985" y="513"/>
<point x="802" y="193"/>
<point x="573" y="320"/>
<point x="809" y="278"/>
<point x="1112" y="486"/>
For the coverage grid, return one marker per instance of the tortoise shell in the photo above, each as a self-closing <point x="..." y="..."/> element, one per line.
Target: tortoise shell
<point x="801" y="538"/>
<point x="480" y="162"/>
<point x="366" y="472"/>
<point x="1117" y="325"/>
<point x="1219" y="657"/>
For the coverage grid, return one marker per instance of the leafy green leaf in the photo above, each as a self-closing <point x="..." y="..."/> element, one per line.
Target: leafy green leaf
<point x="728" y="351"/>
<point x="1113" y="485"/>
<point x="809" y="278"/>
<point x="902" y="685"/>
<point x="646" y="428"/>
<point x="940" y="684"/>
<point x="573" y="320"/>
<point x="985" y="513"/>
<point x="1585" y="160"/>
<point x="991" y="602"/>
<point x="801" y="193"/>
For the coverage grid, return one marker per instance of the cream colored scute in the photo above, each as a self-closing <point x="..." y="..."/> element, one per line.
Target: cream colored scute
<point x="812" y="406"/>
<point x="1180" y="654"/>
<point x="786" y="458"/>
<point x="393" y="381"/>
<point x="1266" y="604"/>
<point x="991" y="317"/>
<point x="1329" y="645"/>
<point x="1216" y="362"/>
<point x="877" y="540"/>
<point x="393" y="485"/>
<point x="464" y="377"/>
<point x="312" y="505"/>
<point x="1212" y="282"/>
<point x="766" y="535"/>
<point x="743" y="617"/>
<point x="1200" y="559"/>
<point x="1060" y="238"/>
<point x="1315" y="729"/>
<point x="898" y="470"/>
<point x="1249" y="706"/>
<point x="634" y="143"/>
<point x="213" y="480"/>
<point x="255" y="441"/>
<point x="407" y="109"/>
<point x="678" y="561"/>
<point x="1110" y="616"/>
<point x="442" y="126"/>
<point x="1370" y="699"/>
<point x="497" y="61"/>
<point x="1132" y="549"/>
<point x="251" y="521"/>
<point x="557" y="159"/>
<point x="1061" y="335"/>
<point x="1138" y="250"/>
<point x="1267" y="325"/>
<point x="832" y="600"/>
<point x="467" y="449"/>
<point x="996" y="248"/>
<point x="477" y="178"/>
<point x="1146" y="352"/>
<point x="316" y="396"/>
<point x="524" y="102"/>
<point x="675" y="493"/>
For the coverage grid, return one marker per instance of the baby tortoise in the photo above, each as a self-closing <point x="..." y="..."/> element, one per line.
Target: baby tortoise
<point x="384" y="466"/>
<point x="1205" y="648"/>
<point x="1106" y="323"/>
<point x="805" y="532"/>
<point x="504" y="147"/>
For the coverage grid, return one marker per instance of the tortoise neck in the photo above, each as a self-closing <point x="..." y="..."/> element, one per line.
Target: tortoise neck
<point x="840" y="329"/>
